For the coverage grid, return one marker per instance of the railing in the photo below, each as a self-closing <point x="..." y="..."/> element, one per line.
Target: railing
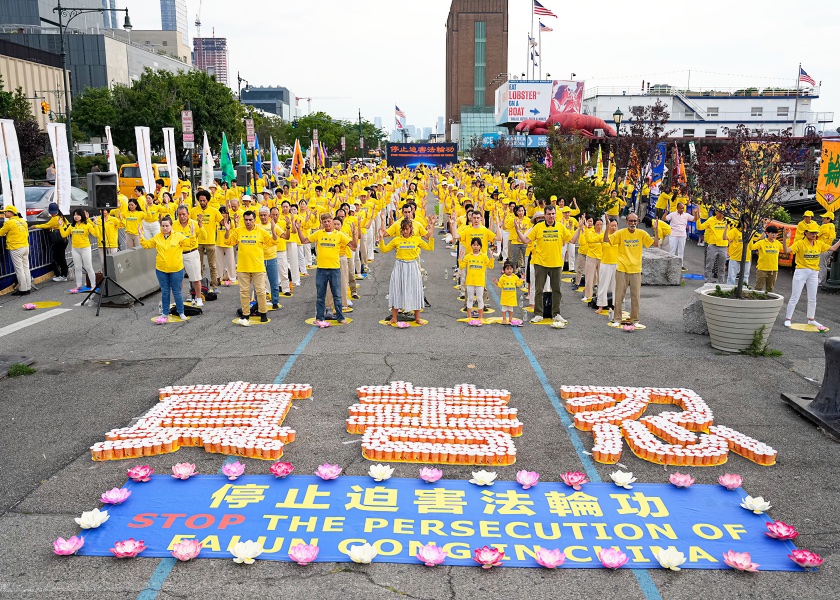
<point x="40" y="258"/>
<point x="770" y="117"/>
<point x="670" y="90"/>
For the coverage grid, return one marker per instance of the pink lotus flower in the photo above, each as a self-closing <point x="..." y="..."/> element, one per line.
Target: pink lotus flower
<point x="403" y="324"/>
<point x="550" y="559"/>
<point x="226" y="283"/>
<point x="806" y="559"/>
<point x="322" y="324"/>
<point x="781" y="531"/>
<point x="233" y="470"/>
<point x="574" y="479"/>
<point x="74" y="291"/>
<point x="612" y="558"/>
<point x="516" y="322"/>
<point x="161" y="320"/>
<point x="128" y="548"/>
<point x="475" y="322"/>
<point x="731" y="481"/>
<point x="115" y="496"/>
<point x="681" y="480"/>
<point x="281" y="469"/>
<point x="30" y="306"/>
<point x="327" y="471"/>
<point x="186" y="549"/>
<point x="740" y="561"/>
<point x="303" y="554"/>
<point x="527" y="479"/>
<point x="488" y="557"/>
<point x="140" y="473"/>
<point x="430" y="474"/>
<point x="629" y="327"/>
<point x="431" y="555"/>
<point x="69" y="546"/>
<point x="183" y="470"/>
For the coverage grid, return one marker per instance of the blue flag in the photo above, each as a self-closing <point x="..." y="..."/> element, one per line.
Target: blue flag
<point x="275" y="162"/>
<point x="257" y="162"/>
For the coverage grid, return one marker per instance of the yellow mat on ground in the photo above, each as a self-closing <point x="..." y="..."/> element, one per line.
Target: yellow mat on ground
<point x="45" y="304"/>
<point x="805" y="327"/>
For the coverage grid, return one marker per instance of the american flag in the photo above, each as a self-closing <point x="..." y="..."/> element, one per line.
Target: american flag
<point x="399" y="125"/>
<point x="539" y="9"/>
<point x="544" y="28"/>
<point x="805" y="78"/>
<point x="400" y="114"/>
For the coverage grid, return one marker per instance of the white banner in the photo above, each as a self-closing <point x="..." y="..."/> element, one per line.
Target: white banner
<point x="11" y="173"/>
<point x="206" y="164"/>
<point x="110" y="152"/>
<point x="171" y="158"/>
<point x="144" y="158"/>
<point x="58" y="140"/>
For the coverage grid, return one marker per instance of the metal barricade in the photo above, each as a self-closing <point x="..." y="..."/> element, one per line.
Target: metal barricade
<point x="40" y="258"/>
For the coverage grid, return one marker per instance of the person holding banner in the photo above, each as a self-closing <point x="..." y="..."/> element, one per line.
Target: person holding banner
<point x="57" y="242"/>
<point x="81" y="229"/>
<point x="17" y="243"/>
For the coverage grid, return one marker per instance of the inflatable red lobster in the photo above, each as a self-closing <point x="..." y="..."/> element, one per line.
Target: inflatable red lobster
<point x="565" y="107"/>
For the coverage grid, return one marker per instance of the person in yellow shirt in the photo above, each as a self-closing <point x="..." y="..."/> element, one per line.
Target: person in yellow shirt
<point x="663" y="203"/>
<point x="225" y="253"/>
<point x="807" y="273"/>
<point x="803" y="225"/>
<point x="57" y="242"/>
<point x="151" y="226"/>
<point x="826" y="235"/>
<point x="517" y="248"/>
<point x="664" y="229"/>
<point x="768" y="258"/>
<point x="630" y="242"/>
<point x="113" y="224"/>
<point x="250" y="264"/>
<point x="716" y="245"/>
<point x="16" y="232"/>
<point x="328" y="241"/>
<point x="735" y="250"/>
<point x="606" y="274"/>
<point x="270" y="251"/>
<point x="211" y="220"/>
<point x="81" y="229"/>
<point x="594" y="242"/>
<point x="405" y="290"/>
<point x="474" y="265"/>
<point x="569" y="222"/>
<point x="169" y="265"/>
<point x="196" y="234"/>
<point x="133" y="218"/>
<point x="508" y="283"/>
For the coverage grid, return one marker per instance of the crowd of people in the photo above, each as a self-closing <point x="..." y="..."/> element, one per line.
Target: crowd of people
<point x="337" y="219"/>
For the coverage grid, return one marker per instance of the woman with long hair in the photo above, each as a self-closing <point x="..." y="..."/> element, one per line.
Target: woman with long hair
<point x="406" y="288"/>
<point x="81" y="228"/>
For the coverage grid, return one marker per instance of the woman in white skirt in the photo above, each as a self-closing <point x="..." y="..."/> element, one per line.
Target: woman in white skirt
<point x="609" y="264"/>
<point x="406" y="288"/>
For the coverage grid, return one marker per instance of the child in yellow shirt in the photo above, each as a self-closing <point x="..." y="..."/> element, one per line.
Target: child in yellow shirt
<point x="508" y="284"/>
<point x="474" y="266"/>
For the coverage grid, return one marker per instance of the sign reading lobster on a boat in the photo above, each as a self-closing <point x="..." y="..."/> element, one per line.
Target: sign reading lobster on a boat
<point x="520" y="99"/>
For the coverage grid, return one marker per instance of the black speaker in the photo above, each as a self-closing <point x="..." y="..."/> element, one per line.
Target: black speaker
<point x="243" y="175"/>
<point x="102" y="190"/>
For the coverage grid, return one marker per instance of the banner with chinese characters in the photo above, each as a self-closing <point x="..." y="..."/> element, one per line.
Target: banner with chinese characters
<point x="828" y="183"/>
<point x="398" y="516"/>
<point x="414" y="155"/>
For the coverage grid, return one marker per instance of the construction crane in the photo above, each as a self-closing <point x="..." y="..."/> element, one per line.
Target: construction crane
<point x="198" y="21"/>
<point x="309" y="101"/>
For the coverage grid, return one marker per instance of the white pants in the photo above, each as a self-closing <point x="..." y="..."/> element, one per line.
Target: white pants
<point x="292" y="256"/>
<point x="371" y="243"/>
<point x="571" y="252"/>
<point x="475" y="293"/>
<point x="505" y="244"/>
<point x="304" y="257"/>
<point x="82" y="259"/>
<point x="825" y="265"/>
<point x="225" y="262"/>
<point x="802" y="278"/>
<point x="20" y="261"/>
<point x="735" y="269"/>
<point x="677" y="245"/>
<point x="151" y="229"/>
<point x="606" y="283"/>
<point x="283" y="268"/>
<point x="101" y="252"/>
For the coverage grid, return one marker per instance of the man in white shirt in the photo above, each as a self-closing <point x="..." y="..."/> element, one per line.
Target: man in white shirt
<point x="679" y="222"/>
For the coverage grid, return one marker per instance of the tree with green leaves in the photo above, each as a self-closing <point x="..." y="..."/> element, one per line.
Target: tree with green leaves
<point x="32" y="142"/>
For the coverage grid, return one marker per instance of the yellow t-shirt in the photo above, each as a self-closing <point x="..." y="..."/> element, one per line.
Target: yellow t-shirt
<point x="270" y="250"/>
<point x="80" y="233"/>
<point x="736" y="244"/>
<point x="827" y="233"/>
<point x="663" y="229"/>
<point x="594" y="243"/>
<point x="133" y="220"/>
<point x="548" y="244"/>
<point x="417" y="229"/>
<point x="152" y="211"/>
<point x="170" y="251"/>
<point x="475" y="267"/>
<point x="768" y="254"/>
<point x="609" y="254"/>
<point x="407" y="248"/>
<point x="664" y="201"/>
<point x="210" y="219"/>
<point x="509" y="284"/>
<point x="112" y="230"/>
<point x="714" y="228"/>
<point x="468" y="232"/>
<point x="630" y="247"/>
<point x="251" y="255"/>
<point x="16" y="231"/>
<point x="192" y="239"/>
<point x="808" y="256"/>
<point x="328" y="246"/>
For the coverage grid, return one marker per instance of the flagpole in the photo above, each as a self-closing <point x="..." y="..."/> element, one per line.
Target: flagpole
<point x="539" y="45"/>
<point x="531" y="38"/>
<point x="528" y="56"/>
<point x="796" y="99"/>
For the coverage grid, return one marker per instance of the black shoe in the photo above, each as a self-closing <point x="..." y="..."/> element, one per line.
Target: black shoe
<point x="239" y="313"/>
<point x="275" y="306"/>
<point x="263" y="317"/>
<point x="17" y="293"/>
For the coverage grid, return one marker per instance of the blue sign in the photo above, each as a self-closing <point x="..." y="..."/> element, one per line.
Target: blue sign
<point x="398" y="516"/>
<point x="517" y="141"/>
<point x="414" y="155"/>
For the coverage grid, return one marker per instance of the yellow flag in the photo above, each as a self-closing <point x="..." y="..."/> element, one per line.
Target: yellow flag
<point x="828" y="183"/>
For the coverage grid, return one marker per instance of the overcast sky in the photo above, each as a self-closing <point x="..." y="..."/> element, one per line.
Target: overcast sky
<point x="371" y="54"/>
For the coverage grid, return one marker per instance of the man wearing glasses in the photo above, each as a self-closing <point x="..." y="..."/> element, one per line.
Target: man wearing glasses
<point x="630" y="242"/>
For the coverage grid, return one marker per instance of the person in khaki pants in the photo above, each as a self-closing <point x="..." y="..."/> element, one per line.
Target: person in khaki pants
<point x="250" y="264"/>
<point x="210" y="219"/>
<point x="630" y="242"/>
<point x="17" y="243"/>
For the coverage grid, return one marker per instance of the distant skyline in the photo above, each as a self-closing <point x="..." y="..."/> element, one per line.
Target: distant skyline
<point x="396" y="54"/>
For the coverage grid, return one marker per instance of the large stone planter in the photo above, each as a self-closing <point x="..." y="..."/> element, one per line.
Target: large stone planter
<point x="732" y="322"/>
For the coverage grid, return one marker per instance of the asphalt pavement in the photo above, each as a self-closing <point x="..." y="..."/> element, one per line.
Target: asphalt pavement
<point x="98" y="373"/>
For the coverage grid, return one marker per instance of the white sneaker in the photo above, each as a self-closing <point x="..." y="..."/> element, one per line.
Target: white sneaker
<point x="183" y="317"/>
<point x="198" y="302"/>
<point x="819" y="326"/>
<point x="536" y="319"/>
<point x="558" y="318"/>
<point x="243" y="322"/>
<point x="787" y="322"/>
<point x="59" y="278"/>
<point x="557" y="325"/>
<point x="350" y="303"/>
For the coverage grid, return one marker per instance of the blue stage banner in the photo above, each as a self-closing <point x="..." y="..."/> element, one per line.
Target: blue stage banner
<point x="398" y="516"/>
<point x="517" y="141"/>
<point x="414" y="155"/>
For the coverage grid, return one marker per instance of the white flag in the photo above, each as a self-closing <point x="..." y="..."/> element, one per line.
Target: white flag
<point x="11" y="172"/>
<point x="171" y="158"/>
<point x="206" y="164"/>
<point x="61" y="157"/>
<point x="112" y="155"/>
<point x="144" y="158"/>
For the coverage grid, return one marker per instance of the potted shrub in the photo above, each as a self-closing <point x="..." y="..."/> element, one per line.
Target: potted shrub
<point x="742" y="179"/>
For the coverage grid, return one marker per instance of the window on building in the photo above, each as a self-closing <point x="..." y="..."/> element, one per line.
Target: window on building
<point x="756" y="111"/>
<point x="480" y="62"/>
<point x="164" y="43"/>
<point x="712" y="111"/>
<point x="711" y="133"/>
<point x="688" y="133"/>
<point x="782" y="111"/>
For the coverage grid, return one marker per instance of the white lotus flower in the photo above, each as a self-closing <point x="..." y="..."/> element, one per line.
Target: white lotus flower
<point x="380" y="472"/>
<point x="483" y="477"/>
<point x="246" y="552"/>
<point x="623" y="479"/>
<point x="91" y="519"/>
<point x="757" y="504"/>
<point x="670" y="558"/>
<point x="363" y="554"/>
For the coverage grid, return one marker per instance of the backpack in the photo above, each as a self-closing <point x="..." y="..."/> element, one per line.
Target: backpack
<point x="190" y="311"/>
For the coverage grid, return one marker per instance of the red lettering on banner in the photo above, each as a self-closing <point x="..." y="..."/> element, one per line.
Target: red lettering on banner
<point x="191" y="523"/>
<point x="231" y="520"/>
<point x="143" y="520"/>
<point x="171" y="518"/>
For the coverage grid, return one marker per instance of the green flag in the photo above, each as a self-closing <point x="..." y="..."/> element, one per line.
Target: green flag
<point x="226" y="164"/>
<point x="243" y="154"/>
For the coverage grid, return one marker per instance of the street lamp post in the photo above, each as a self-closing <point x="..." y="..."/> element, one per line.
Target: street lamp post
<point x="617" y="115"/>
<point x="239" y="81"/>
<point x="527" y="136"/>
<point x="71" y="13"/>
